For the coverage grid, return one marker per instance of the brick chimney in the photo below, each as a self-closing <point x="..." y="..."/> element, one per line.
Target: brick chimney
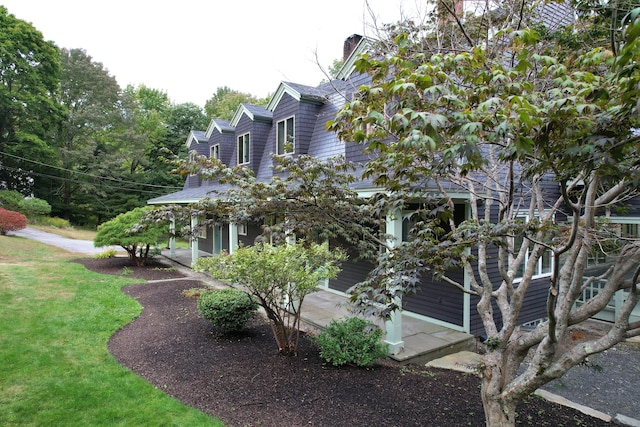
<point x="349" y="45"/>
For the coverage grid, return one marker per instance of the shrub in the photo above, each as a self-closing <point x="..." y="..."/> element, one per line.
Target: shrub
<point x="278" y="278"/>
<point x="109" y="253"/>
<point x="11" y="221"/>
<point x="11" y="200"/>
<point x="53" y="221"/>
<point x="351" y="341"/>
<point x="227" y="309"/>
<point x="33" y="207"/>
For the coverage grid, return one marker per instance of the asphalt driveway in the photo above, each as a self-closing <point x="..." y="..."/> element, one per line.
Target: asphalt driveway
<point x="72" y="245"/>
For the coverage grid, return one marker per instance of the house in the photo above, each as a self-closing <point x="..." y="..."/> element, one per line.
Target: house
<point x="293" y="122"/>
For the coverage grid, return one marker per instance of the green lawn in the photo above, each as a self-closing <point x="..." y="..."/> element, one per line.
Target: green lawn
<point x="55" y="369"/>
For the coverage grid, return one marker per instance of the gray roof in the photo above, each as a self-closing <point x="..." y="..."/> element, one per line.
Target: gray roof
<point x="259" y="112"/>
<point x="188" y="195"/>
<point x="201" y="136"/>
<point x="224" y="125"/>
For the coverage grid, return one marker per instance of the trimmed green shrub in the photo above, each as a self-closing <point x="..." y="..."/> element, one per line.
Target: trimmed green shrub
<point x="33" y="207"/>
<point x="227" y="309"/>
<point x="11" y="200"/>
<point x="351" y="341"/>
<point x="11" y="221"/>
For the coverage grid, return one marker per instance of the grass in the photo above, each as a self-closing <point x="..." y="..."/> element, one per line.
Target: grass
<point x="69" y="232"/>
<point x="55" y="368"/>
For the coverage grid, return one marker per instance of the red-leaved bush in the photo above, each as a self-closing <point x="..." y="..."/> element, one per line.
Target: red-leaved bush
<point x="11" y="221"/>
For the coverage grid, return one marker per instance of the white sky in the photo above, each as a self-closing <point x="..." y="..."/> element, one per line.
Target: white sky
<point x="189" y="48"/>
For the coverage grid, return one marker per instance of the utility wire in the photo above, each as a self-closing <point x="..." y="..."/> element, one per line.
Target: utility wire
<point x="166" y="187"/>
<point x="115" y="187"/>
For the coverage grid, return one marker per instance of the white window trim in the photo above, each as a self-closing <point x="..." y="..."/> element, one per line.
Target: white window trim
<point x="293" y="142"/>
<point x="242" y="229"/>
<point x="246" y="148"/>
<point x="212" y="150"/>
<point x="538" y="274"/>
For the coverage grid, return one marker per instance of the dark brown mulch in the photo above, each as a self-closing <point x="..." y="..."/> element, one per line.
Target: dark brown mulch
<point x="245" y="382"/>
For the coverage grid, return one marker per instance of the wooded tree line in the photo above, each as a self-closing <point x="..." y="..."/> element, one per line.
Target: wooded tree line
<point x="69" y="134"/>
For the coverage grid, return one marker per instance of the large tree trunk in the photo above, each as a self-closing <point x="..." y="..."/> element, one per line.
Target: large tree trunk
<point x="498" y="410"/>
<point x="498" y="413"/>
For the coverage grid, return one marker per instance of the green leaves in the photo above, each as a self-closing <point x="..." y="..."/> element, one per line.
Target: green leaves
<point x="278" y="278"/>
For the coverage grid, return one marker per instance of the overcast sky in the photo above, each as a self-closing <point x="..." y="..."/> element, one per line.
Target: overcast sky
<point x="189" y="48"/>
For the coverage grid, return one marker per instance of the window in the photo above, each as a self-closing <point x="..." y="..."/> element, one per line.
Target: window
<point x="214" y="152"/>
<point x="244" y="147"/>
<point x="285" y="136"/>
<point x="202" y="229"/>
<point x="545" y="262"/>
<point x="242" y="229"/>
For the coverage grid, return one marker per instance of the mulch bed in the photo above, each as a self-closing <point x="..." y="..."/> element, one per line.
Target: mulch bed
<point x="242" y="379"/>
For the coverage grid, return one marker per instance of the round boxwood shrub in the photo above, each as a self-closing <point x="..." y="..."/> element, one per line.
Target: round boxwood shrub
<point x="227" y="309"/>
<point x="351" y="341"/>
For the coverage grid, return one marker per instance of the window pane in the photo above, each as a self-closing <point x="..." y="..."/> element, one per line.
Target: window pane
<point x="290" y="140"/>
<point x="246" y="149"/>
<point x="546" y="262"/>
<point x="281" y="138"/>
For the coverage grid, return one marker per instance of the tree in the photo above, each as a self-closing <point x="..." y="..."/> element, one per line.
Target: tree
<point x="29" y="73"/>
<point x="129" y="231"/>
<point x="494" y="126"/>
<point x="278" y="278"/>
<point x="89" y="95"/>
<point x="224" y="103"/>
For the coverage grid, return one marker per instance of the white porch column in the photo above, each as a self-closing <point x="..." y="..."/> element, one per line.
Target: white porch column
<point x="172" y="239"/>
<point x="393" y="326"/>
<point x="194" y="239"/>
<point x="233" y="237"/>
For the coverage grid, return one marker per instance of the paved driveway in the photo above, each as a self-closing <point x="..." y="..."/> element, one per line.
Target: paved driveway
<point x="71" y="245"/>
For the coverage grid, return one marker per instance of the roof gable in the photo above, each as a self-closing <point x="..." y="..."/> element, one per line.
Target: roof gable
<point x="349" y="64"/>
<point x="298" y="92"/>
<point x="196" y="136"/>
<point x="222" y="126"/>
<point x="254" y="112"/>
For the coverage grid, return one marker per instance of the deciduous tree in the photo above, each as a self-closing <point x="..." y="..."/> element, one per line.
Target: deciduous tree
<point x="29" y="76"/>
<point x="499" y="128"/>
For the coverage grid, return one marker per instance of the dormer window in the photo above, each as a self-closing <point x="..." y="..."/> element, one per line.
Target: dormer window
<point x="285" y="136"/>
<point x="244" y="147"/>
<point x="214" y="152"/>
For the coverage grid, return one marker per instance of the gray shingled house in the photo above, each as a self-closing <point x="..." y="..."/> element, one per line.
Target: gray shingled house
<point x="255" y="133"/>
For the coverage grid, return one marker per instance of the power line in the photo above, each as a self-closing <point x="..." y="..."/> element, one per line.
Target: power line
<point x="115" y="187"/>
<point x="166" y="187"/>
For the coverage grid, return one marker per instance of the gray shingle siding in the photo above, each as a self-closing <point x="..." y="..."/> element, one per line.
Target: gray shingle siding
<point x="438" y="300"/>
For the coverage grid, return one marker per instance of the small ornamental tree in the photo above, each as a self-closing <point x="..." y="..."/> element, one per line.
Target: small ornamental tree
<point x="278" y="278"/>
<point x="11" y="221"/>
<point x="132" y="233"/>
